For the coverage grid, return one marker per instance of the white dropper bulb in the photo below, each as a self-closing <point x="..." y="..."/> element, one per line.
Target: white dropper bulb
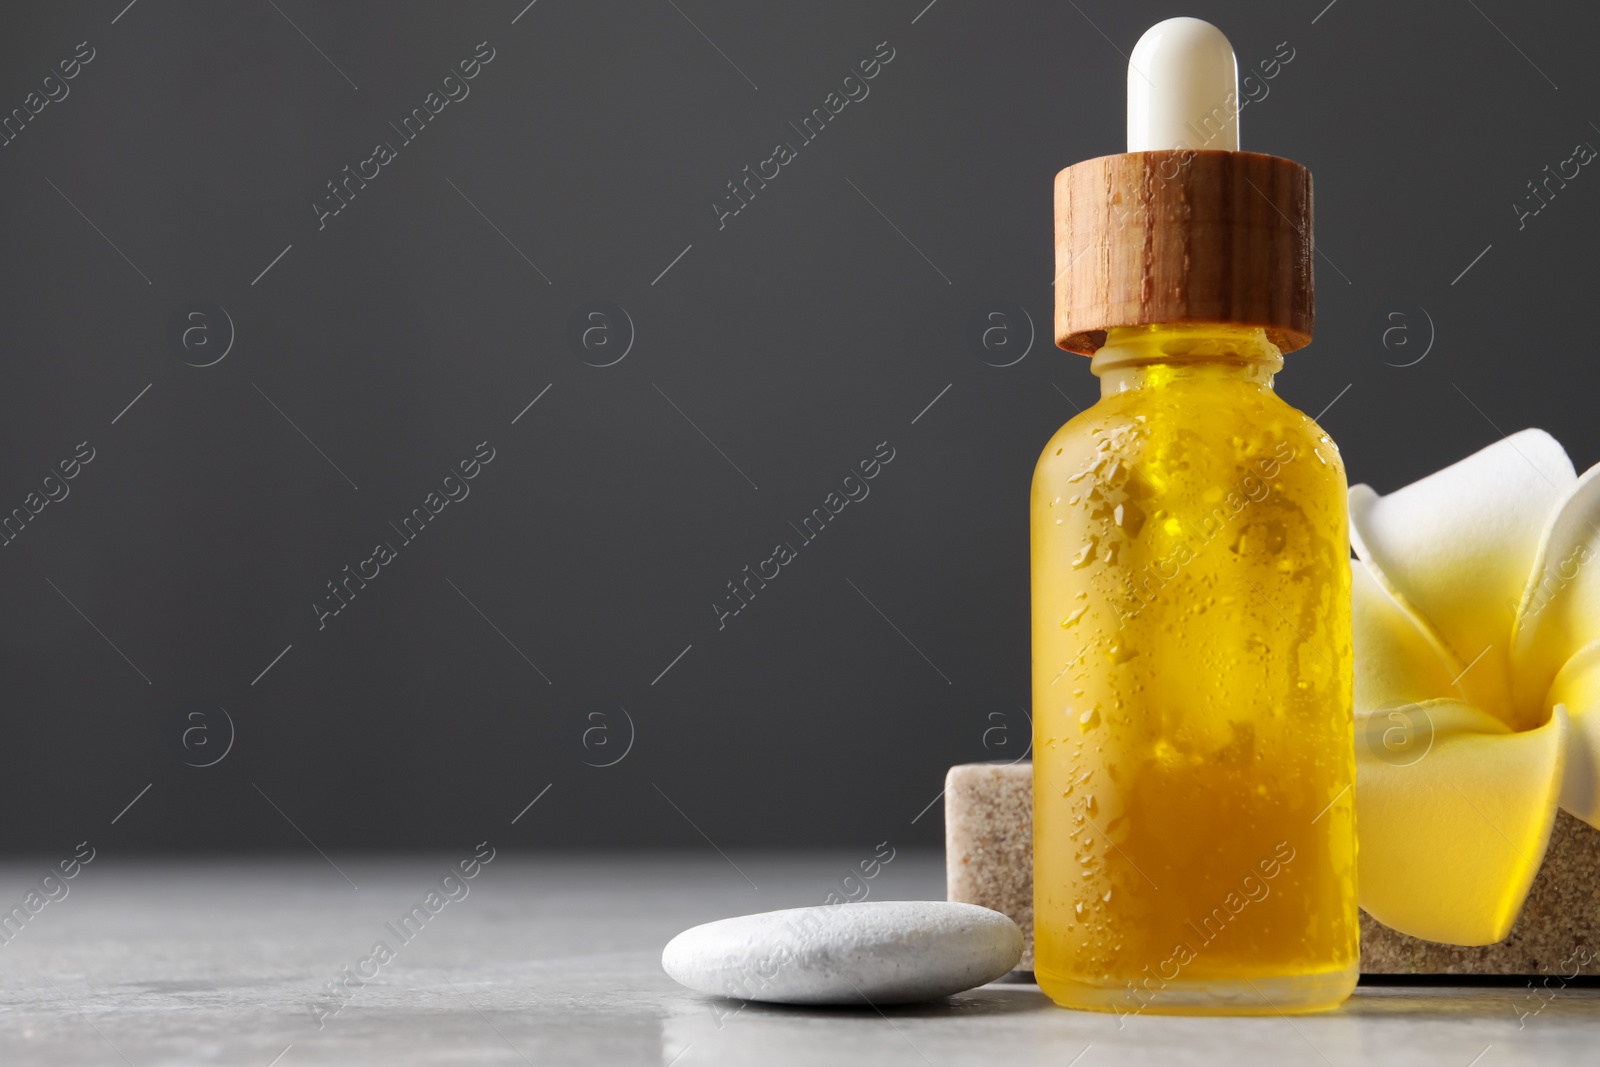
<point x="1183" y="89"/>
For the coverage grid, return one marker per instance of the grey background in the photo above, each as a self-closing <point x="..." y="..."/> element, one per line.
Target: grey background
<point x="797" y="338"/>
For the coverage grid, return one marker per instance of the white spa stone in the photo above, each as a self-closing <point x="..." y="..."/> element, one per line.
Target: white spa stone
<point x="877" y="952"/>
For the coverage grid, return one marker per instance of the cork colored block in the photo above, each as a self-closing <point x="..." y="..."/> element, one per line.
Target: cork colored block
<point x="989" y="861"/>
<point x="988" y="842"/>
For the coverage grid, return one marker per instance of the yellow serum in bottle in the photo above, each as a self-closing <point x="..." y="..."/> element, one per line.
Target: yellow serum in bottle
<point x="1194" y="836"/>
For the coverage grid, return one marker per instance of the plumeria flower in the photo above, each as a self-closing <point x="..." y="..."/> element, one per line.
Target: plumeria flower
<point x="1477" y="688"/>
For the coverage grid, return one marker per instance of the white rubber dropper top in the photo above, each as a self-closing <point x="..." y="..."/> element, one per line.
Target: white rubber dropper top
<point x="1183" y="89"/>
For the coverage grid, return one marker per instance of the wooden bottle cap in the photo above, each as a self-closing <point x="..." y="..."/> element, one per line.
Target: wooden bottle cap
<point x="1181" y="236"/>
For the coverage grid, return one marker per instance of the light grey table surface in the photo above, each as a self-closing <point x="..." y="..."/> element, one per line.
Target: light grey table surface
<point x="555" y="960"/>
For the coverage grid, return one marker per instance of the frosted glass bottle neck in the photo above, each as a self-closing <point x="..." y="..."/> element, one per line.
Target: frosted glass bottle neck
<point x="1141" y="357"/>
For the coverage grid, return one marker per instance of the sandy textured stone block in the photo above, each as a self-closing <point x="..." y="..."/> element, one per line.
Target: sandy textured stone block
<point x="989" y="861"/>
<point x="988" y="841"/>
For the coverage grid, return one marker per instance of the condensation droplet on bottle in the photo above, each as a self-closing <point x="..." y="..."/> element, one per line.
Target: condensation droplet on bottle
<point x="1129" y="518"/>
<point x="1085" y="554"/>
<point x="1078" y="909"/>
<point x="1076" y="615"/>
<point x="1089" y="720"/>
<point x="1107" y="897"/>
<point x="1089" y="804"/>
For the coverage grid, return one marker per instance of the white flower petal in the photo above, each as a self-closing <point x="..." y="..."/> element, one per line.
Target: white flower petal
<point x="1396" y="661"/>
<point x="1577" y="687"/>
<point x="1560" y="607"/>
<point x="1456" y="548"/>
<point x="1452" y="834"/>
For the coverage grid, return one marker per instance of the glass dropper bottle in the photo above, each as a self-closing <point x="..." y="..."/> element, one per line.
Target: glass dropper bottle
<point x="1194" y="828"/>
